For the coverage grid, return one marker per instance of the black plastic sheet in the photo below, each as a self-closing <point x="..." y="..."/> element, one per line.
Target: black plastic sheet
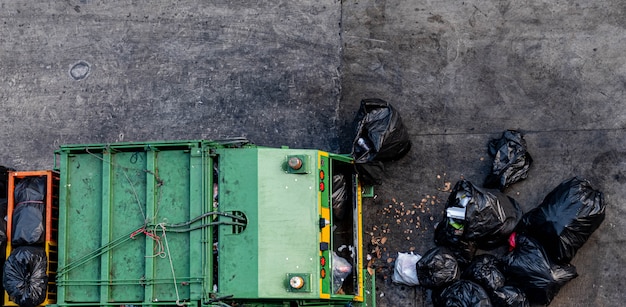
<point x="28" y="213"/>
<point x="528" y="267"/>
<point x="485" y="270"/>
<point x="486" y="217"/>
<point x="381" y="136"/>
<point x="509" y="296"/>
<point x="463" y="293"/>
<point x="511" y="160"/>
<point x="25" y="278"/>
<point x="566" y="218"/>
<point x="437" y="268"/>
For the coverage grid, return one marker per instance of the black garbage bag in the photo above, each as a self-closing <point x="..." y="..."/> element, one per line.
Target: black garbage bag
<point x="566" y="218"/>
<point x="486" y="217"/>
<point x="511" y="160"/>
<point x="462" y="293"/>
<point x="371" y="173"/>
<point x="28" y="213"/>
<point x="528" y="267"/>
<point x="28" y="224"/>
<point x="24" y="277"/>
<point x="509" y="296"/>
<point x="30" y="189"/>
<point x="339" y="196"/>
<point x="485" y="270"/>
<point x="451" y="236"/>
<point x="381" y="136"/>
<point x="437" y="268"/>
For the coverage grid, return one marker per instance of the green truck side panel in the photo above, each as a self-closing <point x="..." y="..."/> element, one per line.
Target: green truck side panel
<point x="109" y="196"/>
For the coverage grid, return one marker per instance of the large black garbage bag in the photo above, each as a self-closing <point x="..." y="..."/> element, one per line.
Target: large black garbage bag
<point x="28" y="224"/>
<point x="528" y="267"/>
<point x="485" y="270"/>
<point x="486" y="217"/>
<point x="381" y="136"/>
<point x="463" y="293"/>
<point x="24" y="277"/>
<point x="437" y="268"/>
<point x="28" y="213"/>
<point x="30" y="189"/>
<point x="509" y="296"/>
<point x="511" y="161"/>
<point x="566" y="218"/>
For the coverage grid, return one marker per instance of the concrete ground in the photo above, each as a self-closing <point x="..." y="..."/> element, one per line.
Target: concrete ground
<point x="293" y="73"/>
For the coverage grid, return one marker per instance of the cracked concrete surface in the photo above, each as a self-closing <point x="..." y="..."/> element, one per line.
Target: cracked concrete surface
<point x="293" y="73"/>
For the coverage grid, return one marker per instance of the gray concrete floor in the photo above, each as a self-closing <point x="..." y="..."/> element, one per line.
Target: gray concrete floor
<point x="293" y="73"/>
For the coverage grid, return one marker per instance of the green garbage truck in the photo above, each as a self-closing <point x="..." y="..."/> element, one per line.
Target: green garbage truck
<point x="208" y="223"/>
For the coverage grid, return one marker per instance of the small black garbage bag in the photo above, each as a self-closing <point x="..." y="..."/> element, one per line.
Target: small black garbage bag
<point x="566" y="218"/>
<point x="451" y="236"/>
<point x="339" y="196"/>
<point x="463" y="293"/>
<point x="28" y="213"/>
<point x="509" y="296"/>
<point x="381" y="136"/>
<point x="485" y="270"/>
<point x="437" y="268"/>
<point x="24" y="277"/>
<point x="511" y="160"/>
<point x="528" y="267"/>
<point x="486" y="217"/>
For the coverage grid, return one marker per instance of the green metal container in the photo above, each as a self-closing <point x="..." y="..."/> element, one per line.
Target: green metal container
<point x="206" y="223"/>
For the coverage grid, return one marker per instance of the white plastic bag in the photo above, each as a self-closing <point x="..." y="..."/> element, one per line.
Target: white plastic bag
<point x="405" y="271"/>
<point x="341" y="269"/>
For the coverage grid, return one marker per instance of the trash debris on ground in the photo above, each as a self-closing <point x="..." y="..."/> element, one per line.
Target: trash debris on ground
<point x="380" y="136"/>
<point x="405" y="271"/>
<point x="566" y="218"/>
<point x="528" y="267"/>
<point x="511" y="160"/>
<point x="470" y="265"/>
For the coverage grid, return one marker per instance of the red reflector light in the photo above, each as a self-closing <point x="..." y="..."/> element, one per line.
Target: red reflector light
<point x="323" y="261"/>
<point x="322" y="175"/>
<point x="322" y="186"/>
<point x="323" y="273"/>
